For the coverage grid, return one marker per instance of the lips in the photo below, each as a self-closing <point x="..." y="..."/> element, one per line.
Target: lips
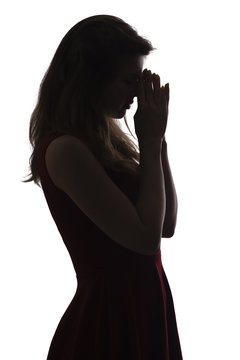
<point x="128" y="104"/>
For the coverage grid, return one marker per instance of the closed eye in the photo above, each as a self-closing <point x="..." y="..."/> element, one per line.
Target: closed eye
<point x="133" y="81"/>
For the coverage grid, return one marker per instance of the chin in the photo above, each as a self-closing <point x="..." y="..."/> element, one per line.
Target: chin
<point x="118" y="115"/>
<point x="121" y="114"/>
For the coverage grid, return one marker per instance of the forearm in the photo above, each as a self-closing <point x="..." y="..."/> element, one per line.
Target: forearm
<point x="171" y="195"/>
<point x="151" y="202"/>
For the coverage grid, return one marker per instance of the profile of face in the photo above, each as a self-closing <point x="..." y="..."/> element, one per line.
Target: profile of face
<point x="119" y="94"/>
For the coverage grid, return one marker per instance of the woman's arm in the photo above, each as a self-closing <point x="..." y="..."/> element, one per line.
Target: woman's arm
<point x="171" y="195"/>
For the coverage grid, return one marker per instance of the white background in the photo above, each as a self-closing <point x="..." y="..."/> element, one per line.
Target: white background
<point x="198" y="54"/>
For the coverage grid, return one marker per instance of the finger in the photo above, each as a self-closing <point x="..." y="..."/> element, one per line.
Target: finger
<point x="157" y="87"/>
<point x="167" y="95"/>
<point x="148" y="86"/>
<point x="162" y="96"/>
<point x="167" y="91"/>
<point x="164" y="100"/>
<point x="157" y="77"/>
<point x="140" y="91"/>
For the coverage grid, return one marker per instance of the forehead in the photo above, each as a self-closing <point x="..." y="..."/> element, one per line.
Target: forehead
<point x="132" y="65"/>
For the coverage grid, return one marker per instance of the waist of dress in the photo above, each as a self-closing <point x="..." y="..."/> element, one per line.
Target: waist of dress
<point x="114" y="266"/>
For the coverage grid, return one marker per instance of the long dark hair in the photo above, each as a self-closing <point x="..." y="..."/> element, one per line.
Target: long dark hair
<point x="90" y="53"/>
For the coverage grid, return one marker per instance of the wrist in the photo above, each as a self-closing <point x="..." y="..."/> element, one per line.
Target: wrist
<point x="150" y="144"/>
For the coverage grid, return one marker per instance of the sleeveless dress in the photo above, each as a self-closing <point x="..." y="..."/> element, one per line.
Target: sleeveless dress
<point x="122" y="308"/>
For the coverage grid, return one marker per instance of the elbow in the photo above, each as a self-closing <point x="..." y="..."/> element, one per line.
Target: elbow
<point x="169" y="225"/>
<point x="168" y="231"/>
<point x="167" y="234"/>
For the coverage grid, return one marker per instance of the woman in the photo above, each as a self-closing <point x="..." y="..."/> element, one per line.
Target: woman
<point x="111" y="203"/>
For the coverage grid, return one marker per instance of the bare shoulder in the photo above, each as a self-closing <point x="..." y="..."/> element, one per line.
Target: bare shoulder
<point x="66" y="146"/>
<point x="68" y="157"/>
<point x="64" y="140"/>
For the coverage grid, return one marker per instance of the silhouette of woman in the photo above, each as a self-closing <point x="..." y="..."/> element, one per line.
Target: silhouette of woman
<point x="112" y="201"/>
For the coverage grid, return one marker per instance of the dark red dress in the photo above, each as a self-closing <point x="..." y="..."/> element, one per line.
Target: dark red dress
<point x="123" y="307"/>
